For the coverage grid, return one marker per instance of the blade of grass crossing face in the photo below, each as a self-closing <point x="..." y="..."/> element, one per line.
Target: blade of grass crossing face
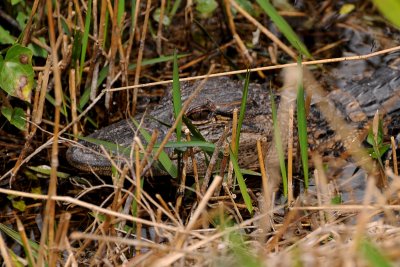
<point x="278" y="145"/>
<point x="85" y="37"/>
<point x="242" y="111"/>
<point x="120" y="13"/>
<point x="284" y="27"/>
<point x="302" y="127"/>
<point x="241" y="182"/>
<point x="176" y="96"/>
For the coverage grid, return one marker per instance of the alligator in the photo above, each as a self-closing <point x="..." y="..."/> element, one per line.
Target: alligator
<point x="356" y="100"/>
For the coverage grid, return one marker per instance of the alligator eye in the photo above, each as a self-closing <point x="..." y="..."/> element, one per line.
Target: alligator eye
<point x="200" y="115"/>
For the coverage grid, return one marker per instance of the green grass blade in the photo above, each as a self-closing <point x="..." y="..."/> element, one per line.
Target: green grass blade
<point x="284" y="27"/>
<point x="373" y="255"/>
<point x="85" y="37"/>
<point x="176" y="96"/>
<point x="302" y="128"/>
<point x="278" y="145"/>
<point x="175" y="8"/>
<point x="241" y="182"/>
<point x="120" y="13"/>
<point x="242" y="110"/>
<point x="17" y="237"/>
<point x="390" y="9"/>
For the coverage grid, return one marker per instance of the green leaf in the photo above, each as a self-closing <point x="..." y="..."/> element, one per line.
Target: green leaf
<point x="16" y="72"/>
<point x="37" y="50"/>
<point x="22" y="18"/>
<point x="19" y="205"/>
<point x="346" y="9"/>
<point x="241" y="182"/>
<point x="284" y="27"/>
<point x="14" y="2"/>
<point x="15" y="116"/>
<point x="46" y="170"/>
<point x="6" y="37"/>
<point x="336" y="200"/>
<point x="156" y="16"/>
<point x="390" y="9"/>
<point x="206" y="7"/>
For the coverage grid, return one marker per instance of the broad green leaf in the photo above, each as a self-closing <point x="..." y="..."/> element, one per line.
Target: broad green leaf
<point x="14" y="2"/>
<point x="19" y="205"/>
<point x="16" y="72"/>
<point x="44" y="169"/>
<point x="390" y="9"/>
<point x="206" y="7"/>
<point x="15" y="116"/>
<point x="346" y="9"/>
<point x="6" y="37"/>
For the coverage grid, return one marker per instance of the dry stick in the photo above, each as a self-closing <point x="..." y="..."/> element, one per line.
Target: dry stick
<point x="160" y="25"/>
<point x="222" y="167"/>
<point x="149" y="149"/>
<point x="72" y="95"/>
<point x="264" y="176"/>
<point x="264" y="30"/>
<point x="213" y="160"/>
<point x="164" y="204"/>
<point x="208" y="54"/>
<point x="140" y="56"/>
<point x="115" y="36"/>
<point x="181" y="189"/>
<point x="290" y="155"/>
<point x="103" y="14"/>
<point x="28" y="26"/>
<point x="62" y="229"/>
<point x="232" y="198"/>
<point x="132" y="32"/>
<point x="363" y="217"/>
<point x="194" y="165"/>
<point x="25" y="241"/>
<point x="394" y="156"/>
<point x="236" y="37"/>
<point x="138" y="195"/>
<point x="78" y="13"/>
<point x="200" y="209"/>
<point x="4" y="253"/>
<point x="49" y="219"/>
<point x="229" y="178"/>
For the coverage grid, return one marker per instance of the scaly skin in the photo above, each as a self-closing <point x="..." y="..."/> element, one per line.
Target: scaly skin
<point x="355" y="100"/>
